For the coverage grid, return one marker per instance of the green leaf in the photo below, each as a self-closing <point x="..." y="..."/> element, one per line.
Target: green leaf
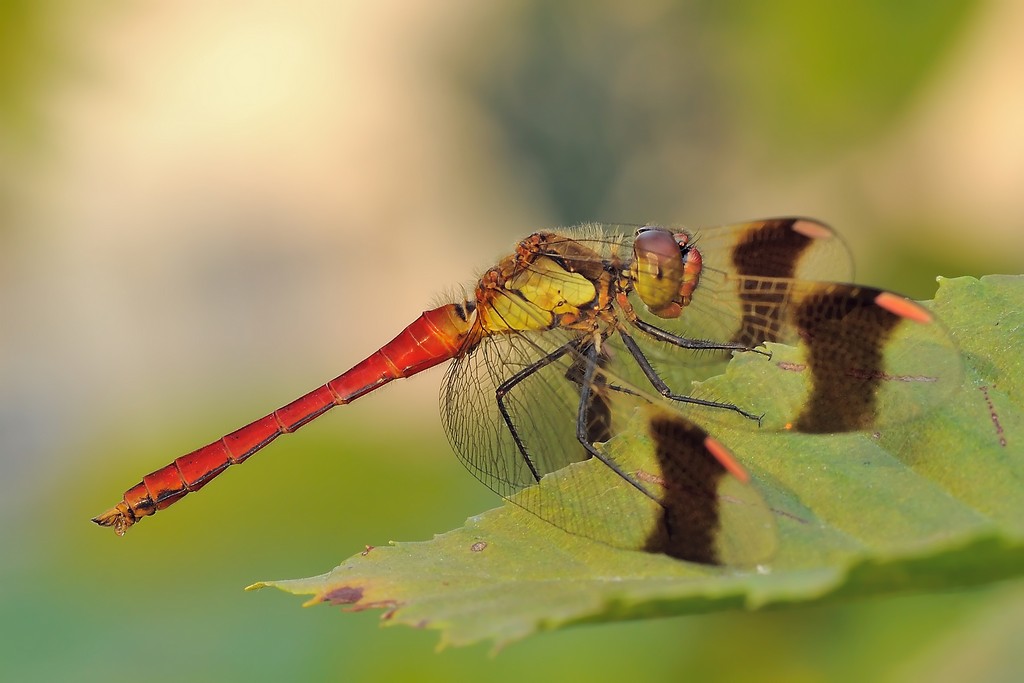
<point x="933" y="503"/>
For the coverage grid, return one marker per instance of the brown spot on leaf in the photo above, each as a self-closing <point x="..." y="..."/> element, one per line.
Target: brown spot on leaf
<point x="345" y="595"/>
<point x="478" y="546"/>
<point x="389" y="605"/>
<point x="649" y="477"/>
<point x="994" y="415"/>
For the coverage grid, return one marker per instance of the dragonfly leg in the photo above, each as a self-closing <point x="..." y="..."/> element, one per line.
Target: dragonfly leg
<point x="510" y="383"/>
<point x="658" y="383"/>
<point x="586" y="388"/>
<point x="686" y="343"/>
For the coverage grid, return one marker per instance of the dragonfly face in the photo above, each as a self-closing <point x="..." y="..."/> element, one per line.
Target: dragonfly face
<point x="579" y="344"/>
<point x="665" y="270"/>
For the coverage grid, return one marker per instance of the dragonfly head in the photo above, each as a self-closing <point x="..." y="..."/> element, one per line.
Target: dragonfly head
<point x="665" y="270"/>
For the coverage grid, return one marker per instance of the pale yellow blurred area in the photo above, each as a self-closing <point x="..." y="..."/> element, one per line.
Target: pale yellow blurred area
<point x="238" y="193"/>
<point x="951" y="164"/>
<point x="958" y="155"/>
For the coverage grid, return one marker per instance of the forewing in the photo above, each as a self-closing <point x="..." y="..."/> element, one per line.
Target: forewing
<point x="863" y="358"/>
<point x="780" y="250"/>
<point x="762" y="282"/>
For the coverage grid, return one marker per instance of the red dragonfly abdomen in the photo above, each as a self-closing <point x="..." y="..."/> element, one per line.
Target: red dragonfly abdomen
<point x="436" y="336"/>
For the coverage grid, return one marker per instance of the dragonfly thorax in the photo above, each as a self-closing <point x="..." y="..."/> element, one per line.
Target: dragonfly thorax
<point x="549" y="281"/>
<point x="665" y="270"/>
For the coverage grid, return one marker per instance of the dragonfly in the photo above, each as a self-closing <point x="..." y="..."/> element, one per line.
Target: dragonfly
<point x="578" y="340"/>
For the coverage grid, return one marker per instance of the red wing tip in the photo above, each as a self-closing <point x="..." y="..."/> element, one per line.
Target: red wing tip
<point x="904" y="308"/>
<point x="725" y="457"/>
<point x="811" y="229"/>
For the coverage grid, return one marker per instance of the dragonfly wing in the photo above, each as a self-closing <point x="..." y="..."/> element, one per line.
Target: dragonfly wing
<point x="542" y="405"/>
<point x="780" y="249"/>
<point x="864" y="358"/>
<point x="867" y="357"/>
<point x="696" y="510"/>
<point x="708" y="513"/>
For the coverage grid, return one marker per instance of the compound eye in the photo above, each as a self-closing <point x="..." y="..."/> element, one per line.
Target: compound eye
<point x="658" y="270"/>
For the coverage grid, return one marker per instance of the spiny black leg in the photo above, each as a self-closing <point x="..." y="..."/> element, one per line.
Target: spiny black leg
<point x="581" y="424"/>
<point x="510" y="383"/>
<point x="692" y="344"/>
<point x="658" y="383"/>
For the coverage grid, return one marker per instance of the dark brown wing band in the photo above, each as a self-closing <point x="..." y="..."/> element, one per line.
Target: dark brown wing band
<point x="845" y="331"/>
<point x="768" y="250"/>
<point x="691" y="476"/>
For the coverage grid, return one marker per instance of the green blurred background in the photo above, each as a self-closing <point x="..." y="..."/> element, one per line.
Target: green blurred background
<point x="207" y="209"/>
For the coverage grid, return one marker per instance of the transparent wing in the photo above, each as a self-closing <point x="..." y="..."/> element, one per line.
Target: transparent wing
<point x="542" y="406"/>
<point x="865" y="357"/>
<point x="511" y="409"/>
<point x="781" y="249"/>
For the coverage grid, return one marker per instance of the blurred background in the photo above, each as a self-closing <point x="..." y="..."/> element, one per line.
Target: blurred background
<point x="207" y="209"/>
